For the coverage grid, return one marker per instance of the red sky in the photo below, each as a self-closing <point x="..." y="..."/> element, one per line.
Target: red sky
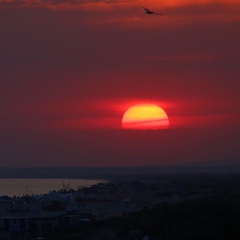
<point x="70" y="68"/>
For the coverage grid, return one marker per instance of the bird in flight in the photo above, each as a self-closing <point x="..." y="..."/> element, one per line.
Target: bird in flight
<point x="150" y="12"/>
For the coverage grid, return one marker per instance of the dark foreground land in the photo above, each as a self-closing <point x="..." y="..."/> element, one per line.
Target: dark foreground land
<point x="170" y="206"/>
<point x="215" y="217"/>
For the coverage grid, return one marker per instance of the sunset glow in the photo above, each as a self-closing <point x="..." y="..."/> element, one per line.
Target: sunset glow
<point x="145" y="116"/>
<point x="81" y="79"/>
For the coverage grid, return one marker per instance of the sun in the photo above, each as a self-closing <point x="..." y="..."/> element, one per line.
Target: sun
<point x="144" y="117"/>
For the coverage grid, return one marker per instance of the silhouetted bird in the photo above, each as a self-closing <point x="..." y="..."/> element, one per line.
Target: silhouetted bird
<point x="150" y="12"/>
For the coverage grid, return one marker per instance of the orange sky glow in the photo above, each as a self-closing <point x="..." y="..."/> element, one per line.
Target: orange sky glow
<point x="70" y="69"/>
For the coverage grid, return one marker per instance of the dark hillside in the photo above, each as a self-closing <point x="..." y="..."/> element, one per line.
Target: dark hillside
<point x="209" y="218"/>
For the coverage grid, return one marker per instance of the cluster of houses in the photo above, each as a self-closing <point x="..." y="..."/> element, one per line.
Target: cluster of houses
<point x="32" y="216"/>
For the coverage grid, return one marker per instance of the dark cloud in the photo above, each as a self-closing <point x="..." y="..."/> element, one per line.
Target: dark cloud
<point x="48" y="3"/>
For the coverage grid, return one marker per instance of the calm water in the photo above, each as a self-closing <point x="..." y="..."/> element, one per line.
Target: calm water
<point x="18" y="186"/>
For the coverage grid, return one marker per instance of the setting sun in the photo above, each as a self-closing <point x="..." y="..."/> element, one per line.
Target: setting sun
<point x="145" y="116"/>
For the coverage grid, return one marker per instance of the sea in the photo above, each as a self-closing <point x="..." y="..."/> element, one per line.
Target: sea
<point x="31" y="186"/>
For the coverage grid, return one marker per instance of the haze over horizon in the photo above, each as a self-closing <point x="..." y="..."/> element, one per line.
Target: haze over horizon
<point x="70" y="69"/>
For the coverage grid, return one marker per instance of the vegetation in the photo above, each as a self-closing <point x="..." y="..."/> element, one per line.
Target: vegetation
<point x="216" y="217"/>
